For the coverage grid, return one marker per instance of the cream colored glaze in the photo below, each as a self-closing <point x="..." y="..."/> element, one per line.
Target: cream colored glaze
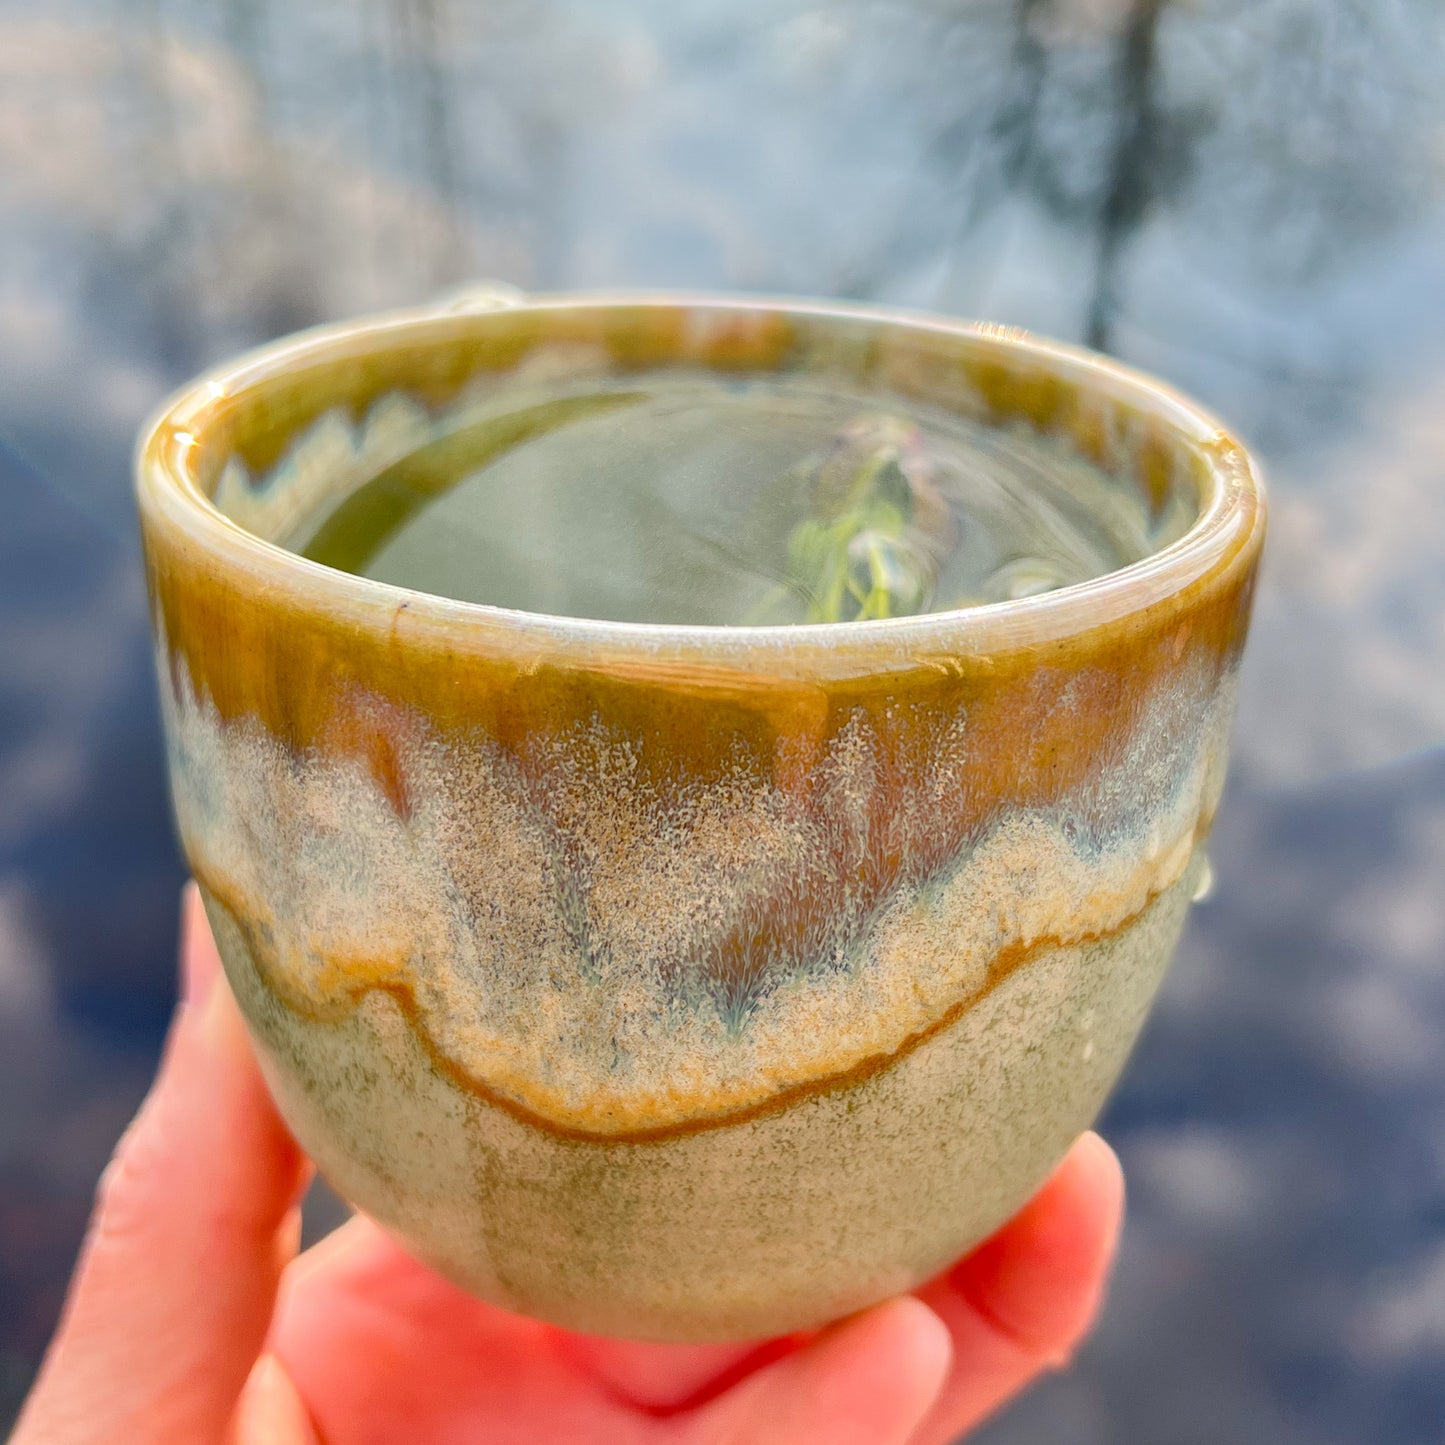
<point x="558" y="969"/>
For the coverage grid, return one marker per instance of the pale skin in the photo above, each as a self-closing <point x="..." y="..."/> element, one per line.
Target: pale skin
<point x="191" y="1317"/>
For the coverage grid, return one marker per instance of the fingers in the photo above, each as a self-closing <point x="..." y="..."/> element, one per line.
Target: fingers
<point x="1039" y="1280"/>
<point x="194" y="1222"/>
<point x="1021" y="1303"/>
<point x="444" y="1368"/>
<point x="359" y="1260"/>
<point x="384" y="1350"/>
<point x="665" y="1379"/>
<point x="271" y="1411"/>
<point x="439" y="1365"/>
<point x="870" y="1380"/>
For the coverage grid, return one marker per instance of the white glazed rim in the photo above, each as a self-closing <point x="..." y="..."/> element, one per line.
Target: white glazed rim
<point x="1231" y="516"/>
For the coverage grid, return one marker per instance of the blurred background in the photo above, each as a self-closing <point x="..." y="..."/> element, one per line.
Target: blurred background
<point x="1245" y="196"/>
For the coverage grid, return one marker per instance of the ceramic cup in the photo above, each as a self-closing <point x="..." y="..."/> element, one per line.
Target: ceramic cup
<point x="683" y="982"/>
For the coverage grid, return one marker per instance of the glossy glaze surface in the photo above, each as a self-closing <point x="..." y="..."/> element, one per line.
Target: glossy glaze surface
<point x="572" y="943"/>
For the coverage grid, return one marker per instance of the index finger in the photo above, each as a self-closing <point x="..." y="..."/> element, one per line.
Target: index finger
<point x="193" y="1225"/>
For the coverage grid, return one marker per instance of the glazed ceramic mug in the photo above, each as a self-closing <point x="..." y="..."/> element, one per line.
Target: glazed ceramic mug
<point x="684" y="982"/>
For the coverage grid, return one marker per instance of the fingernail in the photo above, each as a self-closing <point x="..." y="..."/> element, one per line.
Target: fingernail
<point x="1101" y="1154"/>
<point x="271" y="1411"/>
<point x="221" y="1024"/>
<point x="199" y="963"/>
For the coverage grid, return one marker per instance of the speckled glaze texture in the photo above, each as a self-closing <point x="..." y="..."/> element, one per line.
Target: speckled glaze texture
<point x="683" y="983"/>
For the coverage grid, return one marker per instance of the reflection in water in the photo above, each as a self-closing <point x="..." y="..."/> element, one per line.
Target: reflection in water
<point x="1246" y="196"/>
<point x="1132" y="164"/>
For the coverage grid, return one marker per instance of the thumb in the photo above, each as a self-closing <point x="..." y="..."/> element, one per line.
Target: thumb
<point x="194" y="1222"/>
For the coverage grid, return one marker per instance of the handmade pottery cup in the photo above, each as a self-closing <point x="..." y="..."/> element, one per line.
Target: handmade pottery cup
<point x="682" y="982"/>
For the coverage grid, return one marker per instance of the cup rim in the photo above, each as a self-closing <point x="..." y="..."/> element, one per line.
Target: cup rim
<point x="1229" y="526"/>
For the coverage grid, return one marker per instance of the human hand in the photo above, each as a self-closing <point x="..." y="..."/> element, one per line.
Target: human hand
<point x="191" y="1319"/>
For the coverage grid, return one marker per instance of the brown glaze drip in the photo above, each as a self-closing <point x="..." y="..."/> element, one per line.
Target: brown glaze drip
<point x="267" y="655"/>
<point x="372" y="738"/>
<point x="1037" y="725"/>
<point x="1007" y="962"/>
<point x="1033" y="739"/>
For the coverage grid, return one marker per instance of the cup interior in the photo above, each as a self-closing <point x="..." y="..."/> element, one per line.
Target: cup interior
<point x="305" y="426"/>
<point x="255" y="457"/>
